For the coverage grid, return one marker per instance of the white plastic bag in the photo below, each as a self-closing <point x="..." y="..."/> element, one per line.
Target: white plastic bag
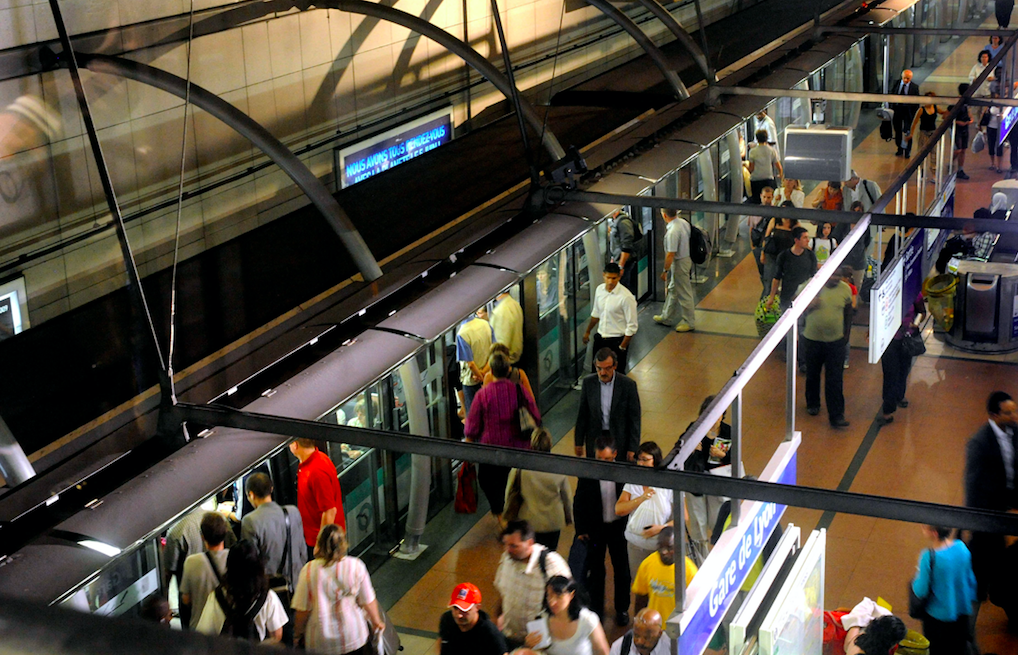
<point x="978" y="142"/>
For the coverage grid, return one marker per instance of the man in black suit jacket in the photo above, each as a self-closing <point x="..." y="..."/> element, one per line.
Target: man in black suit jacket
<point x="903" y="114"/>
<point x="623" y="405"/>
<point x="599" y="535"/>
<point x="990" y="482"/>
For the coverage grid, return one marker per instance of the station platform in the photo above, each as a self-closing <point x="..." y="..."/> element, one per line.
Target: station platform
<point x="920" y="456"/>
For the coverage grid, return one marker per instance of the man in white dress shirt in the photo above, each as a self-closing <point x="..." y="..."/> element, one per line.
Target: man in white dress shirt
<point x="613" y="315"/>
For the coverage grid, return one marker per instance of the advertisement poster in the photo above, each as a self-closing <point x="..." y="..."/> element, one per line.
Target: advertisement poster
<point x="885" y="311"/>
<point x="795" y="624"/>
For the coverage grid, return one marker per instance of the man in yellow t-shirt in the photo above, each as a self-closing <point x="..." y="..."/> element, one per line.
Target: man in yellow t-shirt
<point x="654" y="585"/>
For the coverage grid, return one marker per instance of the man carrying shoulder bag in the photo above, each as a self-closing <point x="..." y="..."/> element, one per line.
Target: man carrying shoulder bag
<point x="278" y="534"/>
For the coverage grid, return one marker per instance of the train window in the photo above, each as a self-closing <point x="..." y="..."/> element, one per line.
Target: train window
<point x="121" y="587"/>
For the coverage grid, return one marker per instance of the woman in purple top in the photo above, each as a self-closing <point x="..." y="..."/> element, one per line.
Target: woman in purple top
<point x="494" y="420"/>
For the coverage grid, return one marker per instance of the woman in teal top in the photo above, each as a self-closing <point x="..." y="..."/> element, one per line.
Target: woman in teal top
<point x="951" y="594"/>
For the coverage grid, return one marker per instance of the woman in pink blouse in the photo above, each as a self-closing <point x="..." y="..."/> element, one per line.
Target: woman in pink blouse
<point x="494" y="420"/>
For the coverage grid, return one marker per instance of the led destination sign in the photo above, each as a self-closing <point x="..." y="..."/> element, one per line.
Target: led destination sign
<point x="366" y="159"/>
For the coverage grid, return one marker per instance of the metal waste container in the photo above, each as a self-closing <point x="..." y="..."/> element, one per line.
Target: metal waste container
<point x="982" y="300"/>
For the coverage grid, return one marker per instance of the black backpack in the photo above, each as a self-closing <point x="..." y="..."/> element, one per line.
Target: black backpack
<point x="699" y="245"/>
<point x="239" y="621"/>
<point x="639" y="242"/>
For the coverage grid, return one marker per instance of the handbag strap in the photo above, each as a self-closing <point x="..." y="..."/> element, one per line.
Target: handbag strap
<point x="285" y="560"/>
<point x="930" y="594"/>
<point x="215" y="570"/>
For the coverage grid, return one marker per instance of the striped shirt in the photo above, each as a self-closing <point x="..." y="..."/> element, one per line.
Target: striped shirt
<point x="493" y="418"/>
<point x="334" y="595"/>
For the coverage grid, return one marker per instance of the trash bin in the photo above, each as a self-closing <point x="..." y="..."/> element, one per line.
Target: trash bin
<point x="914" y="644"/>
<point x="939" y="291"/>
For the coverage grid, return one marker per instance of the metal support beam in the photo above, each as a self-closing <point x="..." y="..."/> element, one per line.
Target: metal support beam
<point x="682" y="36"/>
<point x="791" y="368"/>
<point x="853" y="96"/>
<point x="830" y="216"/>
<point x="461" y="49"/>
<point x="736" y="456"/>
<point x="312" y="187"/>
<point x="142" y="320"/>
<point x="920" y="31"/>
<point x="698" y="483"/>
<point x="645" y="42"/>
<point x="14" y="465"/>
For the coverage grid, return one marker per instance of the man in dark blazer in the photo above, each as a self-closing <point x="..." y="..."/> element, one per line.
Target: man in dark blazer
<point x="990" y="483"/>
<point x="593" y="503"/>
<point x="608" y="401"/>
<point x="903" y="114"/>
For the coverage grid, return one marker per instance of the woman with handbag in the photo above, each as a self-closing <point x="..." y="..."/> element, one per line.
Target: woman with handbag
<point x="496" y="417"/>
<point x="777" y="239"/>
<point x="337" y="612"/>
<point x="943" y="592"/>
<point x="896" y="362"/>
<point x="649" y="509"/>
<point x="544" y="500"/>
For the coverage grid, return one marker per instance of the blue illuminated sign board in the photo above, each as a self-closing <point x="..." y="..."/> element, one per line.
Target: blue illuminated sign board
<point x="749" y="537"/>
<point x="366" y="159"/>
<point x="1008" y="117"/>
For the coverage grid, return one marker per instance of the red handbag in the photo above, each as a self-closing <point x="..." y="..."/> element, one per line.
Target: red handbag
<point x="466" y="490"/>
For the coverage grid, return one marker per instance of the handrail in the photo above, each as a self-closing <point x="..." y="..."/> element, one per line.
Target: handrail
<point x="733" y="388"/>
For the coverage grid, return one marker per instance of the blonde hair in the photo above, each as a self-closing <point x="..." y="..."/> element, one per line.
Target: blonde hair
<point x="798" y="183"/>
<point x="332" y="545"/>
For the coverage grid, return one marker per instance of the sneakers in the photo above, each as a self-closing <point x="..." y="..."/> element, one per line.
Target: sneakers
<point x="962" y="175"/>
<point x="660" y="318"/>
<point x="684" y="327"/>
<point x="727" y="252"/>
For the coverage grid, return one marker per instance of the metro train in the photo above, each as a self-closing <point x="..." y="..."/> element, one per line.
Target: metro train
<point x="107" y="557"/>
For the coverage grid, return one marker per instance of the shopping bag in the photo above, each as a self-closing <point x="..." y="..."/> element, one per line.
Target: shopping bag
<point x="765" y="318"/>
<point x="978" y="142"/>
<point x="466" y="490"/>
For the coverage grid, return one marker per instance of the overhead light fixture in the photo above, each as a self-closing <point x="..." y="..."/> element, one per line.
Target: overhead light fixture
<point x="100" y="547"/>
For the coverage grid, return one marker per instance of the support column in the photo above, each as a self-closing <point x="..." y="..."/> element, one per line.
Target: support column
<point x="791" y="353"/>
<point x="736" y="454"/>
<point x="14" y="465"/>
<point x="420" y="467"/>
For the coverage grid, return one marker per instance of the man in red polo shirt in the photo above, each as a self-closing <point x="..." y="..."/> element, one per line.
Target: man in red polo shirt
<point x="318" y="496"/>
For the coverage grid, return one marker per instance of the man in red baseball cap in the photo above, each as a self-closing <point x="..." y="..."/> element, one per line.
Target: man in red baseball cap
<point x="466" y="629"/>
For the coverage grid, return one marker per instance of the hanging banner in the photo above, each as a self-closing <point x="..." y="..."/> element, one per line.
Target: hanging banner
<point x="912" y="268"/>
<point x="885" y="310"/>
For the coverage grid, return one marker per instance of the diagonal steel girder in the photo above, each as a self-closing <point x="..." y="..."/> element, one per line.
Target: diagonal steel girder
<point x="461" y="49"/>
<point x="259" y="136"/>
<point x="830" y="216"/>
<point x="859" y="96"/>
<point x="646" y="43"/>
<point x="698" y="483"/>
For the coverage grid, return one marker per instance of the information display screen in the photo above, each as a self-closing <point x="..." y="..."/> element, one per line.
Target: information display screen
<point x="389" y="149"/>
<point x="13" y="308"/>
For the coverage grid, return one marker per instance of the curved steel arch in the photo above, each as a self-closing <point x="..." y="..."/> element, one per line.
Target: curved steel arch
<point x="454" y="45"/>
<point x="682" y="36"/>
<point x="645" y="42"/>
<point x="259" y="136"/>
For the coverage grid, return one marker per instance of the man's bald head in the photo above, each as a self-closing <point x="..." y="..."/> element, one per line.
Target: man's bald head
<point x="648" y="626"/>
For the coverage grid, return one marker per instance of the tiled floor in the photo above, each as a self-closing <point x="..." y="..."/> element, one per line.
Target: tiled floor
<point x="920" y="456"/>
